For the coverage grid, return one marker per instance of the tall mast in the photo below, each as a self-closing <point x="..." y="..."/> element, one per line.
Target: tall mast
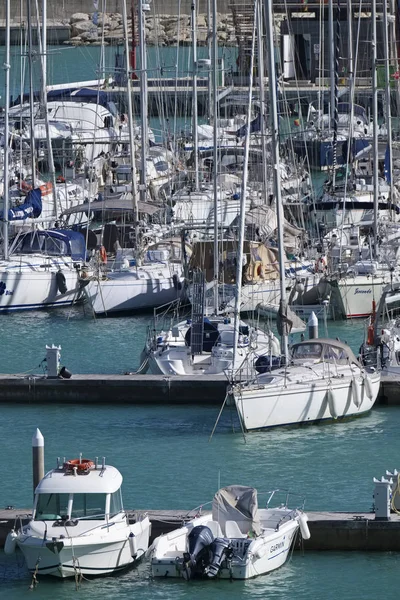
<point x="195" y="136"/>
<point x="388" y="111"/>
<point x="275" y="160"/>
<point x="242" y="214"/>
<point x="50" y="157"/>
<point x="215" y="153"/>
<point x="130" y="128"/>
<point x="143" y="101"/>
<point x="132" y="54"/>
<point x="375" y="126"/>
<point x="31" y="97"/>
<point x="6" y="132"/>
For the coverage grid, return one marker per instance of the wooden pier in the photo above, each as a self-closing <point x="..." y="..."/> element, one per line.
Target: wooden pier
<point x="333" y="531"/>
<point x="136" y="389"/>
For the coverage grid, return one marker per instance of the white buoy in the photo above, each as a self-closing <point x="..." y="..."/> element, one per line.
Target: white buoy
<point x="304" y="529"/>
<point x="312" y="326"/>
<point x="332" y="404"/>
<point x="10" y="543"/>
<point x="368" y="387"/>
<point x="37" y="458"/>
<point x="356" y="392"/>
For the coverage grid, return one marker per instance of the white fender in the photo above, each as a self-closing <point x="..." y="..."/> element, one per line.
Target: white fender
<point x="133" y="545"/>
<point x="356" y="392"/>
<point x="11" y="542"/>
<point x="332" y="403"/>
<point x="304" y="529"/>
<point x="368" y="387"/>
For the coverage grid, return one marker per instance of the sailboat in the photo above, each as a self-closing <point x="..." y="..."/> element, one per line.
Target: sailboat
<point x="320" y="378"/>
<point x="151" y="278"/>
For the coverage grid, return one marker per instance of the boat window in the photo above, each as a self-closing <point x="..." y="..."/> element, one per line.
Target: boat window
<point x="51" y="506"/>
<point x="88" y="505"/>
<point x="335" y="355"/>
<point x="306" y="351"/>
<point x="116" y="503"/>
<point x="55" y="247"/>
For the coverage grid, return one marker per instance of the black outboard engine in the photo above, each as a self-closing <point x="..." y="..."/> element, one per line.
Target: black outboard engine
<point x="220" y="549"/>
<point x="197" y="557"/>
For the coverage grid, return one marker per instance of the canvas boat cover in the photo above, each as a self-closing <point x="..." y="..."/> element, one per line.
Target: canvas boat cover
<point x="237" y="503"/>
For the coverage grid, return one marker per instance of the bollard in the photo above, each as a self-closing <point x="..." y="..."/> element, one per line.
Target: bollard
<point x="382" y="495"/>
<point x="53" y="361"/>
<point x="37" y="458"/>
<point x="312" y="326"/>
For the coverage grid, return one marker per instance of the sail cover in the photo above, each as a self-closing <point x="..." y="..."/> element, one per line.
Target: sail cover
<point x="31" y="208"/>
<point x="237" y="503"/>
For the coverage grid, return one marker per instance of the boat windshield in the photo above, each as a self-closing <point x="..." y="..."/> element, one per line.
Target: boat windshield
<point x="84" y="506"/>
<point x="307" y="351"/>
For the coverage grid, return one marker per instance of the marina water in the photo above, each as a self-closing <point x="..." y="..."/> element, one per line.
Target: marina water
<point x="168" y="462"/>
<point x="165" y="455"/>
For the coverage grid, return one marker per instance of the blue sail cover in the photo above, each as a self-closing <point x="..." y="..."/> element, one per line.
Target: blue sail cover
<point x="31" y="208"/>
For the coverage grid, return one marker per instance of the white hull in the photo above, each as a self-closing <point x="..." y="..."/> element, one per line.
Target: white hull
<point x="260" y="407"/>
<point x="133" y="290"/>
<point x="30" y="288"/>
<point x="358" y="293"/>
<point x="94" y="554"/>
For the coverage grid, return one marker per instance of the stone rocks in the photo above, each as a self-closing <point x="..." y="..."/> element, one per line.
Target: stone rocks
<point x="161" y="30"/>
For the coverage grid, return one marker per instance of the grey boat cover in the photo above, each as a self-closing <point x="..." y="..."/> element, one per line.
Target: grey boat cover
<point x="237" y="503"/>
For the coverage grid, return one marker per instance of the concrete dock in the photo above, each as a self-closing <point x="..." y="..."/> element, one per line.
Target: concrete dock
<point x="136" y="389"/>
<point x="329" y="530"/>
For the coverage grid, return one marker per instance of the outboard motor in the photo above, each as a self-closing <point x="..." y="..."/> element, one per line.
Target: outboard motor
<point x="220" y="549"/>
<point x="199" y="542"/>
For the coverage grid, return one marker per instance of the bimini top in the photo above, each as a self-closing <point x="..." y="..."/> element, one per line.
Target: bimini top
<point x="237" y="503"/>
<point x="52" y="242"/>
<point x="91" y="481"/>
<point x="323" y="349"/>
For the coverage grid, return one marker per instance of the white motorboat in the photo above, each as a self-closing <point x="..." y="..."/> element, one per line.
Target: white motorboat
<point x="238" y="540"/>
<point x="78" y="525"/>
<point x="322" y="381"/>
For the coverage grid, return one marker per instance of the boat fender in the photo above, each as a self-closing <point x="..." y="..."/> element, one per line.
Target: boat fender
<point x="133" y="545"/>
<point x="61" y="282"/>
<point x="176" y="281"/>
<point x="304" y="529"/>
<point x="10" y="543"/>
<point x="368" y="387"/>
<point x="332" y="404"/>
<point x="370" y="335"/>
<point x="356" y="392"/>
<point x="103" y="255"/>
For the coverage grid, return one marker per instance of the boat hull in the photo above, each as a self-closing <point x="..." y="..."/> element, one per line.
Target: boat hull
<point x="261" y="407"/>
<point x="357" y="295"/>
<point x="29" y="289"/>
<point x="73" y="556"/>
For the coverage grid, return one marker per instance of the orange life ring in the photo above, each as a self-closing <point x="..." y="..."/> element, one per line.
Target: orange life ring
<point x="82" y="464"/>
<point x="103" y="255"/>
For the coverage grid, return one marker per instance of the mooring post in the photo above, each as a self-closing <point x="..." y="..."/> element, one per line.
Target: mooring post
<point x="37" y="458"/>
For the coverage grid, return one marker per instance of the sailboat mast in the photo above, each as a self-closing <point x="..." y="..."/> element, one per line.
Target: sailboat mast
<point x="242" y="214"/>
<point x="132" y="54"/>
<point x="275" y="158"/>
<point x="31" y="96"/>
<point x="194" y="97"/>
<point x="130" y="128"/>
<point x="388" y="111"/>
<point x="143" y="101"/>
<point x="50" y="157"/>
<point x="6" y="175"/>
<point x="375" y="126"/>
<point x="215" y="154"/>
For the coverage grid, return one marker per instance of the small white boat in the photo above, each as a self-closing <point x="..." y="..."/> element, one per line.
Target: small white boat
<point x="324" y="380"/>
<point x="79" y="526"/>
<point x="237" y="541"/>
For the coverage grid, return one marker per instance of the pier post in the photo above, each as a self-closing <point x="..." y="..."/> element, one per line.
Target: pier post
<point x="37" y="457"/>
<point x="312" y="326"/>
